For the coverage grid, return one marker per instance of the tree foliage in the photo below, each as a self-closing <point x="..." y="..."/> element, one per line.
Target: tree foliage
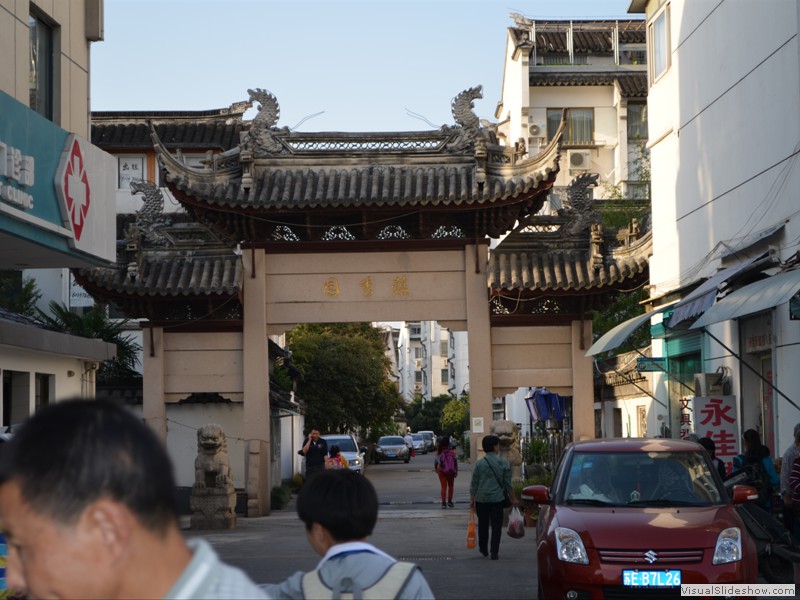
<point x="17" y="294"/>
<point x="344" y="377"/>
<point x="622" y="306"/>
<point x="96" y="324"/>
<point x="427" y="416"/>
<point x="455" y="416"/>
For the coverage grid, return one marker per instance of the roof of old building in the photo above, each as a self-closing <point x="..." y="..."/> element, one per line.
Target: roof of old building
<point x="588" y="36"/>
<point x="567" y="269"/>
<point x="631" y="85"/>
<point x="279" y="169"/>
<point x="216" y="129"/>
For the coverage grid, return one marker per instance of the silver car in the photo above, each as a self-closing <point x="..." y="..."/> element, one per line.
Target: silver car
<point x="391" y="447"/>
<point x="348" y="448"/>
<point x="419" y="442"/>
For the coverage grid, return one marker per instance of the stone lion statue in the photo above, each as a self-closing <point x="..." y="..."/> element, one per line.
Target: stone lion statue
<point x="211" y="467"/>
<point x="213" y="500"/>
<point x="509" y="445"/>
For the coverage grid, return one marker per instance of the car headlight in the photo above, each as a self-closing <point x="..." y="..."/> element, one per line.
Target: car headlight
<point x="569" y="547"/>
<point x="355" y="462"/>
<point x="729" y="546"/>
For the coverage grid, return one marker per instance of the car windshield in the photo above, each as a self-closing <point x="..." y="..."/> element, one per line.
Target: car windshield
<point x="390" y="440"/>
<point x="417" y="437"/>
<point x="345" y="443"/>
<point x="640" y="479"/>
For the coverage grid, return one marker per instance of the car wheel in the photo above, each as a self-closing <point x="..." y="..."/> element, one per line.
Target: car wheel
<point x="776" y="569"/>
<point x="405" y="460"/>
<point x="377" y="461"/>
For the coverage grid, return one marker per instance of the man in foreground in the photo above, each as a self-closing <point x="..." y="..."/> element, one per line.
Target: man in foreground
<point x="339" y="510"/>
<point x="87" y="506"/>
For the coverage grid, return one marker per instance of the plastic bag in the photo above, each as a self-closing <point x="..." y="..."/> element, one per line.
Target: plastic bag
<point x="471" y="530"/>
<point x="516" y="525"/>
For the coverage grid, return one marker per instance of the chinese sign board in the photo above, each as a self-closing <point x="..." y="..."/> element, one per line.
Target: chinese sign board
<point x="56" y="189"/>
<point x="714" y="417"/>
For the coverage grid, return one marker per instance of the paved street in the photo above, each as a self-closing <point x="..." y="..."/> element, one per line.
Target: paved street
<point x="411" y="526"/>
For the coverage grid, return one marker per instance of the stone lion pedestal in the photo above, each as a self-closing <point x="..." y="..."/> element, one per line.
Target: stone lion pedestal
<point x="213" y="500"/>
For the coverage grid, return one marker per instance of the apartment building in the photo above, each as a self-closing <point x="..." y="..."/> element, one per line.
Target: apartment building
<point x="724" y="131"/>
<point x="56" y="194"/>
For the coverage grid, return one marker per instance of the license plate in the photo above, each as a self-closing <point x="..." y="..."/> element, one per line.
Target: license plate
<point x="636" y="578"/>
<point x="391" y="455"/>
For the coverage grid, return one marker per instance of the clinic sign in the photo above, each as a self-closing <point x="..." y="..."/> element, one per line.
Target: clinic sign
<point x="56" y="189"/>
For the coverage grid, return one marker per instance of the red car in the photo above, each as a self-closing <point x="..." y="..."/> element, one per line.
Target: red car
<point x="629" y="518"/>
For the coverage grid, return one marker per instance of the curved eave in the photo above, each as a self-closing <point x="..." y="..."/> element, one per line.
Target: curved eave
<point x="567" y="270"/>
<point x="294" y="183"/>
<point x="198" y="277"/>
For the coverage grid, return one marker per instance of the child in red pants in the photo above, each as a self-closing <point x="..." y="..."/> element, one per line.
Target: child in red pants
<point x="446" y="467"/>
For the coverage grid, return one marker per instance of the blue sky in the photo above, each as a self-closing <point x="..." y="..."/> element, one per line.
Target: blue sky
<point x="365" y="63"/>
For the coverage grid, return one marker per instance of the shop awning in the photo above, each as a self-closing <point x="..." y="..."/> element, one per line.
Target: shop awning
<point x="616" y="337"/>
<point x="753" y="298"/>
<point x="704" y="295"/>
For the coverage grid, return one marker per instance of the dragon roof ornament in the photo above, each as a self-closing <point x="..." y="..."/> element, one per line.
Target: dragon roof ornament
<point x="265" y="138"/>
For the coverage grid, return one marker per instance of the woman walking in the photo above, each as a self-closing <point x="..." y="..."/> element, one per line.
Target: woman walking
<point x="446" y="467"/>
<point x="491" y="480"/>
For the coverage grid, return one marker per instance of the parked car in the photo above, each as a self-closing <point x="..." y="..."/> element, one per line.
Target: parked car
<point x="349" y="449"/>
<point x="430" y="440"/>
<point x="627" y="516"/>
<point x="391" y="447"/>
<point x="418" y="441"/>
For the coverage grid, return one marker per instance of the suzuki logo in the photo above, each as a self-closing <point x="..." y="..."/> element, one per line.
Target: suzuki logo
<point x="650" y="556"/>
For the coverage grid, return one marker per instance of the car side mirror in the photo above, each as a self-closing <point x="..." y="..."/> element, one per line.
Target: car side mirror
<point x="743" y="493"/>
<point x="538" y="494"/>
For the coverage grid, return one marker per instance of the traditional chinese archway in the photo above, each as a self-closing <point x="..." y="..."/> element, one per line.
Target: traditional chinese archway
<point x="341" y="227"/>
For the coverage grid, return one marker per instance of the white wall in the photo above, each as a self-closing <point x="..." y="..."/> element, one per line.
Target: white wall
<point x="724" y="129"/>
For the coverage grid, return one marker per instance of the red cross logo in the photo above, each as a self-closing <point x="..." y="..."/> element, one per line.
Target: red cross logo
<point x="76" y="189"/>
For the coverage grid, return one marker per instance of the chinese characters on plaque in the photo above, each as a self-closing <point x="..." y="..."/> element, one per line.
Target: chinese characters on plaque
<point x="131" y="168"/>
<point x="332" y="288"/>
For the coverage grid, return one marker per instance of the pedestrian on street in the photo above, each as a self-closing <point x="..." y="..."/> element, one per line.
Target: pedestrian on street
<point x="336" y="460"/>
<point x="316" y="452"/>
<point x="87" y="502"/>
<point x="491" y="481"/>
<point x="446" y="466"/>
<point x="786" y="468"/>
<point x="339" y="510"/>
<point x="711" y="448"/>
<point x="409" y="442"/>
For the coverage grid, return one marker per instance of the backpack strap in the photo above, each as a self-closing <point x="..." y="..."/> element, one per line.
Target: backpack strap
<point x="390" y="584"/>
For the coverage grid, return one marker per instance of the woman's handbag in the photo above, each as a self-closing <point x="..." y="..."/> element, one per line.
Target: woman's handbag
<point x="471" y="530"/>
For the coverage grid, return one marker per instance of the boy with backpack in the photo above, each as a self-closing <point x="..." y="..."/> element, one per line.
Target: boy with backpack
<point x="339" y="509"/>
<point x="446" y="466"/>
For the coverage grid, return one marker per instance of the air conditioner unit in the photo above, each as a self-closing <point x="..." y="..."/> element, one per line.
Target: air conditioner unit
<point x="417" y="387"/>
<point x="417" y="363"/>
<point x="708" y="384"/>
<point x="578" y="159"/>
<point x="538" y="130"/>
